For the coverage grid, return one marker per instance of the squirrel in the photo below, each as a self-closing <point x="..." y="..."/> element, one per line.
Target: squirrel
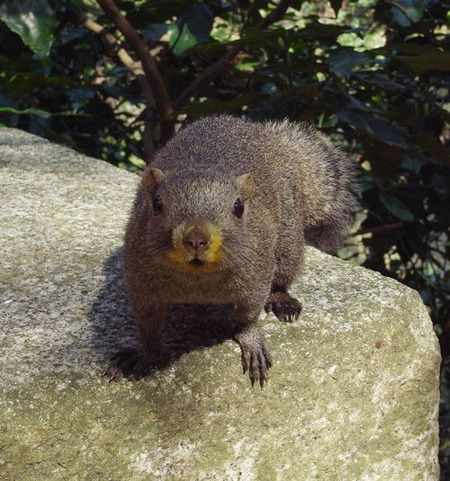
<point x="222" y="216"/>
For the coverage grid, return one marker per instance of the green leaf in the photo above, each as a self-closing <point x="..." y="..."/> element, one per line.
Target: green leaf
<point x="33" y="20"/>
<point x="154" y="32"/>
<point x="343" y="64"/>
<point x="319" y="30"/>
<point x="413" y="10"/>
<point x="365" y="119"/>
<point x="412" y="164"/>
<point x="195" y="26"/>
<point x="435" y="60"/>
<point x="379" y="80"/>
<point x="30" y="111"/>
<point x="33" y="111"/>
<point x="396" y="207"/>
<point x="212" y="106"/>
<point x="420" y="58"/>
<point x="256" y="37"/>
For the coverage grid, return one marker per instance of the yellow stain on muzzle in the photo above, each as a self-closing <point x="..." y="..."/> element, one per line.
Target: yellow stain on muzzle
<point x="207" y="258"/>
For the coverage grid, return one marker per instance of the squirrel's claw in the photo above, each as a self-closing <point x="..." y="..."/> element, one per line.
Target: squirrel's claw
<point x="255" y="358"/>
<point x="285" y="307"/>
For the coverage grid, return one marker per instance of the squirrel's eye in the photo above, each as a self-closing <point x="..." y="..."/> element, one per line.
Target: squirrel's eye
<point x="157" y="205"/>
<point x="238" y="208"/>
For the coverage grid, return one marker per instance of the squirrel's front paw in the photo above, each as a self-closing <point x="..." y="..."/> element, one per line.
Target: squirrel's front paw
<point x="256" y="358"/>
<point x="284" y="306"/>
<point x="132" y="363"/>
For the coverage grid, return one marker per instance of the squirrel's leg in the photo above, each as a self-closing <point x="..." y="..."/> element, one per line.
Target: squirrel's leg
<point x="255" y="355"/>
<point x="283" y="305"/>
<point x="135" y="363"/>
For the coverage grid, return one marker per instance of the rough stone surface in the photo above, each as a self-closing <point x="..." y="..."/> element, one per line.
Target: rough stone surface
<point x="353" y="394"/>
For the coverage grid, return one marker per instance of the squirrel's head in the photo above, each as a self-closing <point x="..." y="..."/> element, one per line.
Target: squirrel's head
<point x="199" y="218"/>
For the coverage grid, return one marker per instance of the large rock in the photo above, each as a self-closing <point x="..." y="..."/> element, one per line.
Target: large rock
<point x="353" y="393"/>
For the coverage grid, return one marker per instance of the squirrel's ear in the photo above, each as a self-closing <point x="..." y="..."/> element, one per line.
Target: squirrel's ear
<point x="152" y="178"/>
<point x="246" y="185"/>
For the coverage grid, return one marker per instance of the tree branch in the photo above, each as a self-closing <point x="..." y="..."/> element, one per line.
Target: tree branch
<point x="381" y="228"/>
<point x="154" y="77"/>
<point x="136" y="69"/>
<point x="215" y="69"/>
<point x="275" y="15"/>
<point x="402" y="9"/>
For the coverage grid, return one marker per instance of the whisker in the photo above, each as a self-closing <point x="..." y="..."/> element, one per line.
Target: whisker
<point x="238" y="253"/>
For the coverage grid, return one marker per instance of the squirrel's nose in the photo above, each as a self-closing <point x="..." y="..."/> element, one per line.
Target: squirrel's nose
<point x="196" y="243"/>
<point x="195" y="239"/>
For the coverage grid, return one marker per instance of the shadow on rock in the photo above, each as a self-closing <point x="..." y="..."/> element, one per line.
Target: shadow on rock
<point x="188" y="327"/>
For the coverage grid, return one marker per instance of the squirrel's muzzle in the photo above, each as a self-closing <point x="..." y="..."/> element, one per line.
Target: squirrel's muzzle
<point x="197" y="246"/>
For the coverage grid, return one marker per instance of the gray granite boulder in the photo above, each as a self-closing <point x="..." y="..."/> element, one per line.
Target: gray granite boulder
<point x="353" y="394"/>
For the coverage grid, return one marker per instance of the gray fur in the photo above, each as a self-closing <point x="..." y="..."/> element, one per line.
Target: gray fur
<point x="302" y="195"/>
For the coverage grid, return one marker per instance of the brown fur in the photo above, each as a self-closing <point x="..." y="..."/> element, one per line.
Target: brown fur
<point x="294" y="187"/>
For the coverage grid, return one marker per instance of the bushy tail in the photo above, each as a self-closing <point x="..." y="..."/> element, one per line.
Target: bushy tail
<point x="328" y="177"/>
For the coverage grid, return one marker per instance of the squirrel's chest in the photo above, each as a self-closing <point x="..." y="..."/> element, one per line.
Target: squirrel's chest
<point x="195" y="289"/>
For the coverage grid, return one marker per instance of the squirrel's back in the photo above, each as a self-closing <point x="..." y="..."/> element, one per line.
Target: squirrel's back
<point x="292" y="164"/>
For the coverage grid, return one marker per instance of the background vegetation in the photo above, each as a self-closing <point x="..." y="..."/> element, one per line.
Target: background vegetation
<point x="115" y="80"/>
